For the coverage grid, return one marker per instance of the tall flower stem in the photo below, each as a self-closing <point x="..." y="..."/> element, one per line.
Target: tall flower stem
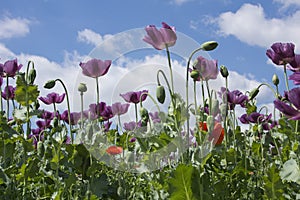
<point x="286" y="78"/>
<point x="187" y="93"/>
<point x="1" y="102"/>
<point x="136" y="113"/>
<point x="170" y="67"/>
<point x="7" y="100"/>
<point x="195" y="98"/>
<point x="69" y="110"/>
<point x="98" y="90"/>
<point x="27" y="103"/>
<point x="167" y="82"/>
<point x="81" y="111"/>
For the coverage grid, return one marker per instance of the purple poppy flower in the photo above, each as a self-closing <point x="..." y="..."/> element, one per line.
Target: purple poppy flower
<point x="295" y="64"/>
<point x="43" y="124"/>
<point x="258" y="118"/>
<point x="208" y="69"/>
<point x="119" y="109"/>
<point x="11" y="67"/>
<point x="8" y="92"/>
<point x="95" y="67"/>
<point x="53" y="98"/>
<point x="130" y="126"/>
<point x="107" y="113"/>
<point x="291" y="111"/>
<point x="159" y="39"/>
<point x="47" y="115"/>
<point x="235" y="97"/>
<point x="295" y="77"/>
<point x="135" y="97"/>
<point x="106" y="126"/>
<point x="281" y="53"/>
<point x="132" y="139"/>
<point x="74" y="116"/>
<point x="155" y="117"/>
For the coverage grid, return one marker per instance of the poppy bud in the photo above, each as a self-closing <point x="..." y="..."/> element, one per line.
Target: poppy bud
<point x="144" y="116"/>
<point x="224" y="71"/>
<point x="253" y="93"/>
<point x="223" y="110"/>
<point x="275" y="79"/>
<point x="160" y="94"/>
<point x="82" y="87"/>
<point x="210" y="123"/>
<point x="55" y="122"/>
<point x="195" y="74"/>
<point x="209" y="45"/>
<point x="40" y="148"/>
<point x="50" y="84"/>
<point x="31" y="76"/>
<point x="214" y="107"/>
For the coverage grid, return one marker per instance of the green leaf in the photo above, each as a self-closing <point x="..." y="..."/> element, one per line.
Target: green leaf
<point x="273" y="184"/>
<point x="99" y="185"/>
<point x="290" y="171"/>
<point x="182" y="183"/>
<point x="25" y="94"/>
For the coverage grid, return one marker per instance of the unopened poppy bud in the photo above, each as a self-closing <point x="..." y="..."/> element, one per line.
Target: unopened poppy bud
<point x="275" y="79"/>
<point x="82" y="87"/>
<point x="210" y="121"/>
<point x="55" y="122"/>
<point x="31" y="76"/>
<point x="160" y="94"/>
<point x="224" y="71"/>
<point x="144" y="116"/>
<point x="40" y="148"/>
<point x="253" y="93"/>
<point x="223" y="110"/>
<point x="214" y="107"/>
<point x="195" y="74"/>
<point x="50" y="84"/>
<point x="209" y="45"/>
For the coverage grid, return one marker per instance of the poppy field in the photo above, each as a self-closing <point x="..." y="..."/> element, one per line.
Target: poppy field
<point x="197" y="149"/>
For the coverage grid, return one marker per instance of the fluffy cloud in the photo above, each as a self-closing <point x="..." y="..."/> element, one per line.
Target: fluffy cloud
<point x="288" y="3"/>
<point x="90" y="37"/>
<point x="250" y="25"/>
<point x="14" y="27"/>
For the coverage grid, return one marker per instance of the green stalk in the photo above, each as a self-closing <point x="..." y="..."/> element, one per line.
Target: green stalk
<point x="136" y="113"/>
<point x="98" y="91"/>
<point x="1" y="103"/>
<point x="286" y="78"/>
<point x="195" y="98"/>
<point x="170" y="67"/>
<point x="7" y="100"/>
<point x="27" y="103"/>
<point x="168" y="85"/>
<point x="81" y="112"/>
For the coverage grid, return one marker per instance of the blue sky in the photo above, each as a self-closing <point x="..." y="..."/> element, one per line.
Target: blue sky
<point x="57" y="34"/>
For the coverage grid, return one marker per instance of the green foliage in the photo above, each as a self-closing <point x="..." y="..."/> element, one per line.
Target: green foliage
<point x="25" y="93"/>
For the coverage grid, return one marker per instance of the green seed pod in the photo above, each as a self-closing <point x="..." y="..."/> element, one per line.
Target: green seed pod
<point x="210" y="121"/>
<point x="40" y="148"/>
<point x="209" y="45"/>
<point x="31" y="76"/>
<point x="195" y="74"/>
<point x="50" y="84"/>
<point x="275" y="79"/>
<point x="160" y="94"/>
<point x="224" y="71"/>
<point x="253" y="93"/>
<point x="82" y="87"/>
<point x="215" y="107"/>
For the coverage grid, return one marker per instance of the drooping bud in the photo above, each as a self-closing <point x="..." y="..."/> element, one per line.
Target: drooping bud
<point x="144" y="116"/>
<point x="40" y="148"/>
<point x="49" y="84"/>
<point x="195" y="74"/>
<point x="160" y="94"/>
<point x="209" y="45"/>
<point x="275" y="79"/>
<point x="224" y="71"/>
<point x="253" y="93"/>
<point x="31" y="76"/>
<point x="82" y="87"/>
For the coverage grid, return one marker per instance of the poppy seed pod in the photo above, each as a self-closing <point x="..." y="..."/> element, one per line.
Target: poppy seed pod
<point x="224" y="71"/>
<point x="209" y="45"/>
<point x="31" y="76"/>
<point x="275" y="79"/>
<point x="40" y="148"/>
<point x="160" y="94"/>
<point x="210" y="123"/>
<point x="82" y="87"/>
<point x="50" y="84"/>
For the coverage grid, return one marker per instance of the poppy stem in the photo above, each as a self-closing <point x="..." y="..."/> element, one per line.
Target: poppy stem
<point x="195" y="99"/>
<point x="1" y="102"/>
<point x="7" y="100"/>
<point x="170" y="67"/>
<point x="98" y="90"/>
<point x="168" y="84"/>
<point x="286" y="78"/>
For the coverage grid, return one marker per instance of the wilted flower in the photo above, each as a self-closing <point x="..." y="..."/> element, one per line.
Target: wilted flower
<point x="95" y="67"/>
<point x="281" y="53"/>
<point x="159" y="39"/>
<point x="291" y="111"/>
<point x="10" y="68"/>
<point x="135" y="97"/>
<point x="119" y="109"/>
<point x="208" y="69"/>
<point x="8" y="92"/>
<point x="114" y="150"/>
<point x="235" y="97"/>
<point x="53" y="98"/>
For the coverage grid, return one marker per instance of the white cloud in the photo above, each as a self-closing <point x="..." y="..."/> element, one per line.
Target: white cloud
<point x="90" y="37"/>
<point x="14" y="27"/>
<point x="288" y="3"/>
<point x="250" y="25"/>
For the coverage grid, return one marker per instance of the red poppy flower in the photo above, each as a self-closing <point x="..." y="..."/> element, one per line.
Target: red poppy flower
<point x="114" y="150"/>
<point x="217" y="134"/>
